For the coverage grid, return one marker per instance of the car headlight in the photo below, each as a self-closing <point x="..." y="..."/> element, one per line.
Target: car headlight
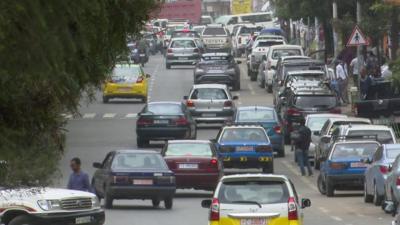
<point x="95" y="202"/>
<point x="48" y="205"/>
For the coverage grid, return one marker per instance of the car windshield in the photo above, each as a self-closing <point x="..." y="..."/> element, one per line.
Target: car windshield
<point x="316" y="123"/>
<point x="248" y="30"/>
<point x="289" y="68"/>
<point x="138" y="161"/>
<point x="255" y="115"/>
<point x="343" y="151"/>
<point x="315" y="101"/>
<point x="269" y="43"/>
<point x="126" y="74"/>
<point x="392" y="152"/>
<point x="183" y="44"/>
<point x="214" y="31"/>
<point x="257" y="191"/>
<point x="164" y="109"/>
<point x="209" y="93"/>
<point x="257" y="18"/>
<point x="215" y="59"/>
<point x="244" y="134"/>
<point x="384" y="136"/>
<point x="309" y="78"/>
<point x="339" y="123"/>
<point x="189" y="149"/>
<point x="277" y="53"/>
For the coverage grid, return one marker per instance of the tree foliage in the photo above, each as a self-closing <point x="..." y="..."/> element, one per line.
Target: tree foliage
<point x="51" y="52"/>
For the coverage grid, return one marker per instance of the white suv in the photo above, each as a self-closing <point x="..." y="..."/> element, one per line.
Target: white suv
<point x="50" y="206"/>
<point x="255" y="199"/>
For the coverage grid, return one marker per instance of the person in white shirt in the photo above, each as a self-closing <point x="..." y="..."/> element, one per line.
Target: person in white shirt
<point x="355" y="70"/>
<point x="342" y="77"/>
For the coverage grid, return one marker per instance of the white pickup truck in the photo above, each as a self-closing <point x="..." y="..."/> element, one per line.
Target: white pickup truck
<point x="49" y="206"/>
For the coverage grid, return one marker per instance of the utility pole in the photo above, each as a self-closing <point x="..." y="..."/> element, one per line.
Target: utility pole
<point x="335" y="35"/>
<point x="317" y="36"/>
<point x="359" y="57"/>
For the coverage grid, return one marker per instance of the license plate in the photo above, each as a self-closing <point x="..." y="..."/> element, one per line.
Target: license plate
<point x="188" y="166"/>
<point x="254" y="221"/>
<point x="183" y="58"/>
<point x="244" y="148"/>
<point x="161" y="122"/>
<point x="125" y="89"/>
<point x="143" y="182"/>
<point x="357" y="165"/>
<point x="209" y="114"/>
<point x="82" y="220"/>
<point x="216" y="71"/>
<point x="142" y="55"/>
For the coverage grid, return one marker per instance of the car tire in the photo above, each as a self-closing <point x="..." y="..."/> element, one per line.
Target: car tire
<point x="106" y="99"/>
<point x="168" y="66"/>
<point x="330" y="189"/>
<point x="268" y="168"/>
<point x="155" y="202"/>
<point x="377" y="199"/>
<point x="23" y="220"/>
<point x="367" y="197"/>
<point x="108" y="201"/>
<point x="141" y="142"/>
<point x="269" y="88"/>
<point x="168" y="203"/>
<point x="321" y="185"/>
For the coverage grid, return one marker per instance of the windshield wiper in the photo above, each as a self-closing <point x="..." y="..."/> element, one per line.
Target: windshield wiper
<point x="248" y="202"/>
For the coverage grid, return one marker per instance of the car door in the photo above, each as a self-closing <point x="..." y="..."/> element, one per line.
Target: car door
<point x="372" y="169"/>
<point x="101" y="176"/>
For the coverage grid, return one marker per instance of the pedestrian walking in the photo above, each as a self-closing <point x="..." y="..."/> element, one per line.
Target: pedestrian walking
<point x="355" y="69"/>
<point x="342" y="76"/>
<point x="78" y="180"/>
<point x="365" y="83"/>
<point x="301" y="139"/>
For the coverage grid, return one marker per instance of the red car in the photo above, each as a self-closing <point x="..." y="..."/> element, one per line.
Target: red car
<point x="194" y="162"/>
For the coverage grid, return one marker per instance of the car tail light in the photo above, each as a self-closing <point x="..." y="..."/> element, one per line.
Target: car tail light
<point x="169" y="50"/>
<point x="226" y="149"/>
<point x="196" y="50"/>
<point x="144" y="121"/>
<point x="181" y="121"/>
<point x="240" y="40"/>
<point x="264" y="148"/>
<point x="335" y="110"/>
<point x="292" y="209"/>
<point x="384" y="169"/>
<point x="228" y="104"/>
<point x="337" y="166"/>
<point x="398" y="181"/>
<point x="214" y="162"/>
<point x="189" y="103"/>
<point x="277" y="129"/>
<point x="214" y="212"/>
<point x="293" y="112"/>
<point x="120" y="179"/>
<point x="139" y="80"/>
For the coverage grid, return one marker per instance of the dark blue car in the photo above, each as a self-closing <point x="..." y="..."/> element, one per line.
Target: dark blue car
<point x="343" y="167"/>
<point x="268" y="119"/>
<point x="246" y="146"/>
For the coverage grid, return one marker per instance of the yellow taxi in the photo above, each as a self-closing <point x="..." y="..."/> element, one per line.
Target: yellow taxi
<point x="126" y="81"/>
<point x="255" y="199"/>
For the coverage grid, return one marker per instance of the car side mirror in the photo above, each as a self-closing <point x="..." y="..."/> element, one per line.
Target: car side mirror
<point x="305" y="203"/>
<point x="185" y="97"/>
<point x="97" y="165"/>
<point x="235" y="97"/>
<point x="317" y="133"/>
<point x="148" y="75"/>
<point x="206" y="203"/>
<point x="325" y="139"/>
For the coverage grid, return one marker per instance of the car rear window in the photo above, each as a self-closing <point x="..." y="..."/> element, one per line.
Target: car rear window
<point x="353" y="151"/>
<point x="164" y="109"/>
<point x="257" y="18"/>
<point x="248" y="30"/>
<point x="183" y="44"/>
<point x="138" y="161"/>
<point x="209" y="93"/>
<point x="384" y="136"/>
<point x="244" y="134"/>
<point x="315" y="101"/>
<point x="255" y="115"/>
<point x="269" y="43"/>
<point x="257" y="191"/>
<point x="126" y="74"/>
<point x="185" y="34"/>
<point x="214" y="31"/>
<point x="189" y="149"/>
<point x="316" y="123"/>
<point x="277" y="53"/>
<point x="392" y="153"/>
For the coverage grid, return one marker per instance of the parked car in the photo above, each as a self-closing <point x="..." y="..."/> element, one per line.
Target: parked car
<point x="341" y="166"/>
<point x="377" y="172"/>
<point x="182" y="51"/>
<point x="245" y="146"/>
<point x="216" y="38"/>
<point x="268" y="119"/>
<point x="255" y="199"/>
<point x="211" y="103"/>
<point x="134" y="174"/>
<point x="392" y="183"/>
<point x="218" y="68"/>
<point x="44" y="205"/>
<point x="164" y="121"/>
<point x="194" y="162"/>
<point x="126" y="81"/>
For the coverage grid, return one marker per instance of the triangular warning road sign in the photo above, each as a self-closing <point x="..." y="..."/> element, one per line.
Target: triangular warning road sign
<point x="357" y="38"/>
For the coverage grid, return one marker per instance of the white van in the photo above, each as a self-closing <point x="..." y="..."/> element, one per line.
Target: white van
<point x="262" y="19"/>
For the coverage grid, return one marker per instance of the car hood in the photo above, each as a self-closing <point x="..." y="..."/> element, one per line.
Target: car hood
<point x="31" y="194"/>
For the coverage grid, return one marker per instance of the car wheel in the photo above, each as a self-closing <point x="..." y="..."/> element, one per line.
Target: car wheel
<point x="168" y="202"/>
<point x="141" y="142"/>
<point x="167" y="66"/>
<point x="321" y="185"/>
<point x="367" y="197"/>
<point x="269" y="168"/>
<point x="155" y="202"/>
<point x="330" y="189"/>
<point x="108" y="201"/>
<point x="106" y="99"/>
<point x="269" y="88"/>
<point x="377" y="199"/>
<point x="22" y="220"/>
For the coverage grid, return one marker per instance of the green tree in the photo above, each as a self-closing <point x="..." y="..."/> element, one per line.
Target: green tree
<point x="51" y="53"/>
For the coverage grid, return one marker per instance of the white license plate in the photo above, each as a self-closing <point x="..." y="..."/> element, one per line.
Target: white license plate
<point x="357" y="165"/>
<point x="253" y="221"/>
<point x="82" y="220"/>
<point x="161" y="122"/>
<point x="216" y="71"/>
<point x="209" y="114"/>
<point x="143" y="182"/>
<point x="244" y="148"/>
<point x="183" y="58"/>
<point x="188" y="166"/>
<point x="142" y="55"/>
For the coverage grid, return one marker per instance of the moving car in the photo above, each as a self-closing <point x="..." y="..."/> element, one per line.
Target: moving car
<point x="342" y="167"/>
<point x="377" y="172"/>
<point x="185" y="33"/>
<point x="216" y="38"/>
<point x="218" y="68"/>
<point x="44" y="205"/>
<point x="241" y="36"/>
<point x="126" y="81"/>
<point x="256" y="199"/>
<point x="164" y="121"/>
<point x="384" y="134"/>
<point x="245" y="146"/>
<point x="268" y="119"/>
<point x="134" y="174"/>
<point x="194" y="162"/>
<point x="262" y="19"/>
<point x="211" y="103"/>
<point x="182" y="51"/>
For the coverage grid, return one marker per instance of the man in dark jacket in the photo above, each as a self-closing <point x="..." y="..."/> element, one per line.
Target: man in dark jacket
<point x="301" y="141"/>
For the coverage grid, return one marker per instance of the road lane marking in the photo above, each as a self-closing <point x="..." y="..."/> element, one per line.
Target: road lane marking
<point x="131" y="115"/>
<point x="252" y="92"/>
<point x="89" y="115"/>
<point x="337" y="218"/>
<point x="323" y="210"/>
<point x="109" y="115"/>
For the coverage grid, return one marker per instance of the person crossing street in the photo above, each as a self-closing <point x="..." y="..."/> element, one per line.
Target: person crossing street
<point x="301" y="140"/>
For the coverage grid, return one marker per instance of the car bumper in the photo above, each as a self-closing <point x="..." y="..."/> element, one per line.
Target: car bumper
<point x="349" y="181"/>
<point x="207" y="181"/>
<point x="215" y="79"/>
<point x="189" y="60"/>
<point x="162" y="133"/>
<point x="141" y="192"/>
<point x="96" y="217"/>
<point x="218" y="116"/>
<point x="238" y="161"/>
<point x="125" y="95"/>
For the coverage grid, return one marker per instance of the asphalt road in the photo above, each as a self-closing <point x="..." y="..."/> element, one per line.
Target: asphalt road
<point x="104" y="127"/>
